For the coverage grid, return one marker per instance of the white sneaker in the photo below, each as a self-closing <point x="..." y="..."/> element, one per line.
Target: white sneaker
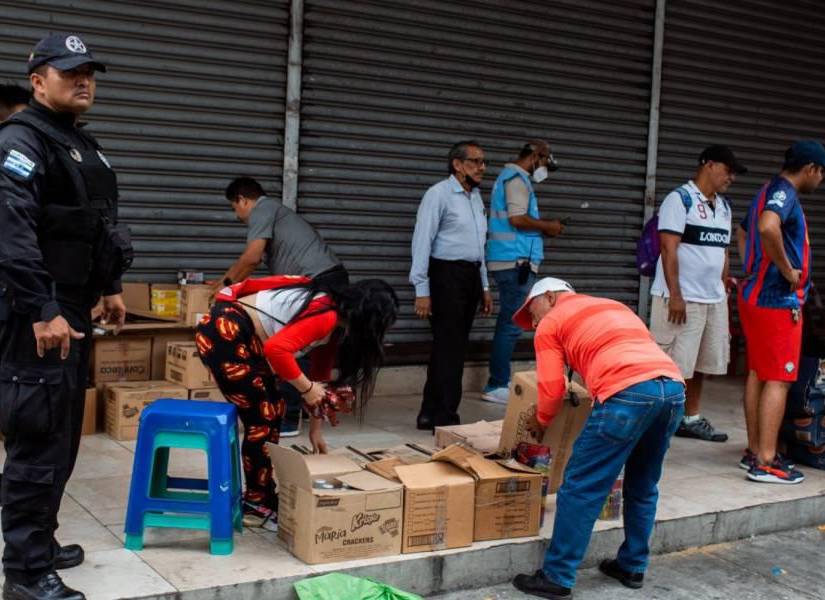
<point x="498" y="395"/>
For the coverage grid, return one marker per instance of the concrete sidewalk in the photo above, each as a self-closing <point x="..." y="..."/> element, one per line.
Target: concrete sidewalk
<point x="705" y="499"/>
<point x="786" y="566"/>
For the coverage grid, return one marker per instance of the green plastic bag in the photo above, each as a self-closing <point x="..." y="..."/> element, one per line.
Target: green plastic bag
<point x="338" y="586"/>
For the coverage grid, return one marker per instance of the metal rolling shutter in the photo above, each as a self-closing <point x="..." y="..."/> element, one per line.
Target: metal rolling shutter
<point x="194" y="96"/>
<point x="389" y="86"/>
<point x="747" y="75"/>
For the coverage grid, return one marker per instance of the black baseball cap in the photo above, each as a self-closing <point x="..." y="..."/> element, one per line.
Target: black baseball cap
<point x="724" y="155"/>
<point x="63" y="51"/>
<point x="805" y="152"/>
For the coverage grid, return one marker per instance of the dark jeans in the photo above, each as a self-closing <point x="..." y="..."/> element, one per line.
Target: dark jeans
<point x="41" y="416"/>
<point x="455" y="291"/>
<point x="511" y="295"/>
<point x="294" y="401"/>
<point x="631" y="429"/>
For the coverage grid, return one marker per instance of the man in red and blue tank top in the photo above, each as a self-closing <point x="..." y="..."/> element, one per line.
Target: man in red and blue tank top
<point x="773" y="242"/>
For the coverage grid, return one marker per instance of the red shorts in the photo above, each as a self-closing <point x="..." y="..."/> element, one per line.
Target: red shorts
<point x="772" y="340"/>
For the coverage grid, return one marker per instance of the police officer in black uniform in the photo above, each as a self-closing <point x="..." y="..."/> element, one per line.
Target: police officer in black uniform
<point x="61" y="249"/>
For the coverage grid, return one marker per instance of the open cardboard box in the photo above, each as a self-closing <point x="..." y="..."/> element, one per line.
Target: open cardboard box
<point x="508" y="500"/>
<point x="559" y="436"/>
<point x="483" y="436"/>
<point x="328" y="525"/>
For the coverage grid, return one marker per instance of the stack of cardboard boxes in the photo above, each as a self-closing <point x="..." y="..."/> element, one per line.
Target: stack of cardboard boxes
<point x="129" y="371"/>
<point x="357" y="503"/>
<point x="184" y="368"/>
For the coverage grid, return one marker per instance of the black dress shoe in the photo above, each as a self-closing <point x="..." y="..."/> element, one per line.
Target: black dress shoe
<point x="425" y="423"/>
<point x="48" y="587"/>
<point x="68" y="556"/>
<point x="537" y="584"/>
<point x="612" y="569"/>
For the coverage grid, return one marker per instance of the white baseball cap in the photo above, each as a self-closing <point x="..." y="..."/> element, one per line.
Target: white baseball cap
<point x="522" y="316"/>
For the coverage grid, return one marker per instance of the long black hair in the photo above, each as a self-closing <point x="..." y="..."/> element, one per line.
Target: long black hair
<point x="366" y="310"/>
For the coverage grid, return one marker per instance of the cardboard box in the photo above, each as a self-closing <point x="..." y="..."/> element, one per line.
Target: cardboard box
<point x="210" y="393"/>
<point x="90" y="412"/>
<point x="125" y="401"/>
<point x="184" y="366"/>
<point x="136" y="297"/>
<point x="322" y="525"/>
<point x="483" y="436"/>
<point x="561" y="433"/>
<point x="194" y="302"/>
<point x="160" y="340"/>
<point x="439" y="502"/>
<point x="165" y="299"/>
<point x="508" y="500"/>
<point x="121" y="358"/>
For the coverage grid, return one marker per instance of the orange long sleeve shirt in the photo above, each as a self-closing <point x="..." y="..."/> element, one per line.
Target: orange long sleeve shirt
<point x="602" y="340"/>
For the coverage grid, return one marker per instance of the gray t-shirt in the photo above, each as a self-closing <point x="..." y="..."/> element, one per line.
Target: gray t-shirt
<point x="293" y="246"/>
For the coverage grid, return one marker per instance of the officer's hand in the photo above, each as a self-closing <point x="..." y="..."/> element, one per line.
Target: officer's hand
<point x="677" y="310"/>
<point x="114" y="311"/>
<point x="54" y="333"/>
<point x="423" y="307"/>
<point x="553" y="228"/>
<point x="487" y="304"/>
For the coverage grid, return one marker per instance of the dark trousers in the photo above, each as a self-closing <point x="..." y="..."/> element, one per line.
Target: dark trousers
<point x="41" y="416"/>
<point x="455" y="292"/>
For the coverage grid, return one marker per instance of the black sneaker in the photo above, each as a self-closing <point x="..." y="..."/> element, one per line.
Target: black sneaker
<point x="260" y="515"/>
<point x="612" y="569"/>
<point x="48" y="587"/>
<point x="700" y="430"/>
<point x="537" y="584"/>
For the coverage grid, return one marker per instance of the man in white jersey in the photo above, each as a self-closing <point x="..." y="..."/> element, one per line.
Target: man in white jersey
<point x="689" y="315"/>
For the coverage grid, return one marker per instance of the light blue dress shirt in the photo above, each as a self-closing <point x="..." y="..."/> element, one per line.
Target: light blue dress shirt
<point x="451" y="225"/>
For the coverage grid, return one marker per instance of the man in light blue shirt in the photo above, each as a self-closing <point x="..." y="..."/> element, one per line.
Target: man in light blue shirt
<point x="450" y="277"/>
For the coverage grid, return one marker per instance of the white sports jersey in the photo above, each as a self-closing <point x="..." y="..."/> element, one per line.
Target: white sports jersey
<point x="705" y="230"/>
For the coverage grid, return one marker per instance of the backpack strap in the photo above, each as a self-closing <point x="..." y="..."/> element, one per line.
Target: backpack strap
<point x="687" y="201"/>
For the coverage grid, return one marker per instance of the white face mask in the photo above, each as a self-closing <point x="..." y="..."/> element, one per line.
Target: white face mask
<point x="540" y="174"/>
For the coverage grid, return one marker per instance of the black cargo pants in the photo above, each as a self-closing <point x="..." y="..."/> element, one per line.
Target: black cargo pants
<point x="41" y="417"/>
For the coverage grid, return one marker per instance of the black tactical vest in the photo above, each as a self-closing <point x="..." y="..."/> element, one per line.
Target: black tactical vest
<point x="79" y="209"/>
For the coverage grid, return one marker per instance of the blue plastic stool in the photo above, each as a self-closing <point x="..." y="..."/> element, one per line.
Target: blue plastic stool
<point x="157" y="500"/>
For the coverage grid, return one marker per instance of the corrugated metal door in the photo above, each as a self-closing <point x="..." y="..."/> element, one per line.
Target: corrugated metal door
<point x="748" y="75"/>
<point x="194" y="96"/>
<point x="389" y="86"/>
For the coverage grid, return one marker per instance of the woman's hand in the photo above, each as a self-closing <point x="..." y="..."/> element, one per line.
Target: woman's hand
<point x="315" y="393"/>
<point x="316" y="438"/>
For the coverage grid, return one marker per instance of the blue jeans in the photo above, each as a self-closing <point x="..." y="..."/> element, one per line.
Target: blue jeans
<point x="631" y="429"/>
<point x="511" y="295"/>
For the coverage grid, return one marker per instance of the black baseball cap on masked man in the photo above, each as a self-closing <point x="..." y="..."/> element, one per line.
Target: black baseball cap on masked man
<point x="722" y="154"/>
<point x="63" y="51"/>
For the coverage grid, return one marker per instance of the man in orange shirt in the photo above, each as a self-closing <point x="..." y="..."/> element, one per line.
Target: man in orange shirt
<point x="639" y="400"/>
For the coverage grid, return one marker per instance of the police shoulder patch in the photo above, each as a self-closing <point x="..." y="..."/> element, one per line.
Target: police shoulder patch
<point x="19" y="164"/>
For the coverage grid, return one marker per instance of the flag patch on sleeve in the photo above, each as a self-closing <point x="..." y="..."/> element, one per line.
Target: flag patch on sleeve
<point x="18" y="163"/>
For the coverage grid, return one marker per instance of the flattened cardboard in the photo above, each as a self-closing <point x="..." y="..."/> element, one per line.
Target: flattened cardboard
<point x="508" y="500"/>
<point x="439" y="501"/>
<point x="483" y="436"/>
<point x="559" y="436"/>
<point x="121" y="358"/>
<point x="184" y="366"/>
<point x="319" y="525"/>
<point x="125" y="402"/>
